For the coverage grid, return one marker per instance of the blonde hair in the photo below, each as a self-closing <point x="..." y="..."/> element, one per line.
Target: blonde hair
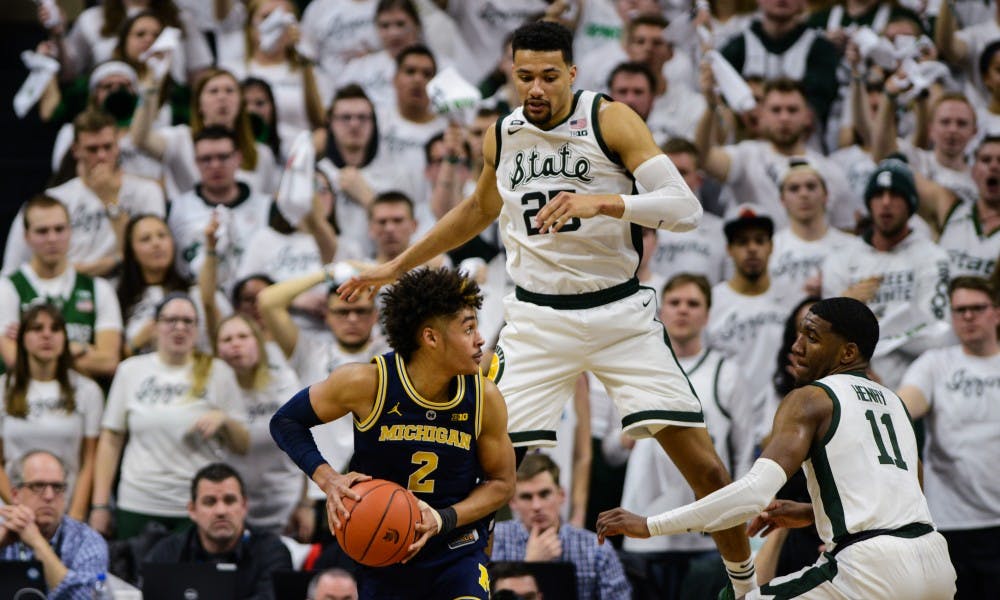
<point x="245" y="141"/>
<point x="200" y="372"/>
<point x="261" y="370"/>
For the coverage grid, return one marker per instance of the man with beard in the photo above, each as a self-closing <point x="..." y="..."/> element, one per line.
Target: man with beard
<point x="852" y="438"/>
<point x="753" y="169"/>
<point x="748" y="313"/>
<point x="903" y="278"/>
<point x="218" y="508"/>
<point x="559" y="172"/>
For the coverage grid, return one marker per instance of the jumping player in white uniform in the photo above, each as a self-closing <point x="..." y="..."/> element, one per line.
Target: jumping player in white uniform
<point x="560" y="173"/>
<point x="853" y="438"/>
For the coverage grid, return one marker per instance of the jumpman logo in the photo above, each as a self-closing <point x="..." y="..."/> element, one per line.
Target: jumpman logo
<point x="395" y="409"/>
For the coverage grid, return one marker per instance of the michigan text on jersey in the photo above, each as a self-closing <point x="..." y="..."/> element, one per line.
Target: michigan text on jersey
<point x="425" y="433"/>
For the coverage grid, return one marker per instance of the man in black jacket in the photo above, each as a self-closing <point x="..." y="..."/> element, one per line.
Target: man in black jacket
<point x="218" y="508"/>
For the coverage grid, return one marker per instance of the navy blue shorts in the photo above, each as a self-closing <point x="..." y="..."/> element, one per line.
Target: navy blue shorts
<point x="464" y="578"/>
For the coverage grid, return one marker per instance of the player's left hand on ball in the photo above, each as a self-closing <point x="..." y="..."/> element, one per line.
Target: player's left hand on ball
<point x="558" y="211"/>
<point x="429" y="525"/>
<point x="619" y="521"/>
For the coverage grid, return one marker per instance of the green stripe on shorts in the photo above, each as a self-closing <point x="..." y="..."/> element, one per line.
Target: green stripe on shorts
<point x="663" y="415"/>
<point x="810" y="579"/>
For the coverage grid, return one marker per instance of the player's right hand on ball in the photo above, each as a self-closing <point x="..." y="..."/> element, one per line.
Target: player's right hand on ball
<point x="429" y="525"/>
<point x="338" y="489"/>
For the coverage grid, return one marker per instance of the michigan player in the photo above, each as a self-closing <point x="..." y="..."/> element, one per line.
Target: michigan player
<point x="853" y="438"/>
<point x="560" y="173"/>
<point x="425" y="418"/>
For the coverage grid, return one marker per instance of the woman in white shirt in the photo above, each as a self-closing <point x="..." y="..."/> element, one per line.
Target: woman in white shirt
<point x="215" y="100"/>
<point x="180" y="410"/>
<point x="274" y="484"/>
<point x="48" y="406"/>
<point x="148" y="274"/>
<point x="300" y="91"/>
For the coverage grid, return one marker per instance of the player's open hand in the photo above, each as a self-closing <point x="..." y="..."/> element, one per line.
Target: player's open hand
<point x="429" y="525"/>
<point x="781" y="513"/>
<point x="567" y="208"/>
<point x="338" y="489"/>
<point x="369" y="281"/>
<point x="619" y="521"/>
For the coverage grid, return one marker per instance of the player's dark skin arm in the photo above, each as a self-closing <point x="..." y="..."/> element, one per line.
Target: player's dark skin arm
<point x="496" y="458"/>
<point x="349" y="389"/>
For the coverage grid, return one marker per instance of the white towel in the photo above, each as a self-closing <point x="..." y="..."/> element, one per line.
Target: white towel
<point x="453" y="97"/>
<point x="271" y="28"/>
<point x="158" y="56"/>
<point x="732" y="86"/>
<point x="43" y="69"/>
<point x="295" y="191"/>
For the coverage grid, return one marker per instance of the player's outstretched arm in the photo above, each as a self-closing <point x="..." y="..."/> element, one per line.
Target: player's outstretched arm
<point x="801" y="416"/>
<point x="495" y="454"/>
<point x="456" y="227"/>
<point x="349" y="389"/>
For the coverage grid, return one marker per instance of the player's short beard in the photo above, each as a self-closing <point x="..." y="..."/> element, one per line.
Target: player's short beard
<point x="537" y="122"/>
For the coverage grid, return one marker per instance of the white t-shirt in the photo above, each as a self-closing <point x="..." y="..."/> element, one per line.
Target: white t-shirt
<point x="151" y="402"/>
<point x="911" y="303"/>
<point x="972" y="251"/>
<point x="273" y="482"/>
<point x="755" y="169"/>
<point x="142" y="312"/>
<point x="93" y="236"/>
<point x="485" y="23"/>
<point x="86" y="47"/>
<point x="595" y="67"/>
<point x="108" y="316"/>
<point x="242" y="221"/>
<point x="675" y="113"/>
<point x="401" y="142"/>
<point x="352" y="217"/>
<point x="977" y="37"/>
<point x="749" y="329"/>
<point x="599" y="28"/>
<point x="702" y="251"/>
<point x="181" y="173"/>
<point x="374" y="73"/>
<point x="963" y="448"/>
<point x="925" y="163"/>
<point x="334" y="31"/>
<point x="48" y="425"/>
<point x="654" y="485"/>
<point x="857" y="165"/>
<point x="794" y="261"/>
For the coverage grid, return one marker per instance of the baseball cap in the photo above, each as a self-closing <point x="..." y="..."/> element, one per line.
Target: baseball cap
<point x="747" y="217"/>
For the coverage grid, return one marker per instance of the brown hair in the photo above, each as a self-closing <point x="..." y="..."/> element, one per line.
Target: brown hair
<point x="41" y="201"/>
<point x="953" y="97"/>
<point x="245" y="142"/>
<point x="16" y="387"/>
<point x="114" y="15"/>
<point x="262" y="370"/>
<point x="685" y="278"/>
<point x="536" y="464"/>
<point x="973" y="282"/>
<point x="92" y="120"/>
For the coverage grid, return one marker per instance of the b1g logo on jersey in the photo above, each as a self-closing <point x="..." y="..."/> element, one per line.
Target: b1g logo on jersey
<point x="531" y="166"/>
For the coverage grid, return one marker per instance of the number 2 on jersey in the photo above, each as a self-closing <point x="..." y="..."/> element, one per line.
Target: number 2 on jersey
<point x="418" y="481"/>
<point x="883" y="456"/>
<point x="535" y="201"/>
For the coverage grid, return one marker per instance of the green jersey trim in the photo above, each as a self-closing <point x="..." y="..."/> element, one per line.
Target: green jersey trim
<point x="829" y="493"/>
<point x="596" y="124"/>
<point x="809" y="579"/>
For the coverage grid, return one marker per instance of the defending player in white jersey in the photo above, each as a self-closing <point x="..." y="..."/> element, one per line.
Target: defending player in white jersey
<point x="853" y="438"/>
<point x="560" y="172"/>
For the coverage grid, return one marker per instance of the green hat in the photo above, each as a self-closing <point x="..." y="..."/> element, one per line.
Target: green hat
<point x="894" y="175"/>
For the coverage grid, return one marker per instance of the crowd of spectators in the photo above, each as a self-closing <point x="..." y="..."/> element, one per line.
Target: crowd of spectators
<point x="161" y="297"/>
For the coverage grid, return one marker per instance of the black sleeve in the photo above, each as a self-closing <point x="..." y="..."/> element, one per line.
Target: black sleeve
<point x="819" y="84"/>
<point x="735" y="52"/>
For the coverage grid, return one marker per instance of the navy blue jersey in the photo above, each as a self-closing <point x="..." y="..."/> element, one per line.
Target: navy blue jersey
<point x="427" y="447"/>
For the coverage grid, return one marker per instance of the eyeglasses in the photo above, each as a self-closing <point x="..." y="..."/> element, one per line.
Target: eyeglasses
<point x="206" y="159"/>
<point x="970" y="309"/>
<point x="349" y="118"/>
<point x="38" y="487"/>
<point x="359" y="312"/>
<point x="175" y="321"/>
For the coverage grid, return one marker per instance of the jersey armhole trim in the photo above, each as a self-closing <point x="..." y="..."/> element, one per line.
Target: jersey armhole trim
<point x="497" y="132"/>
<point x="835" y="418"/>
<point x="479" y="403"/>
<point x="376" y="412"/>
<point x="715" y="389"/>
<point x="594" y="110"/>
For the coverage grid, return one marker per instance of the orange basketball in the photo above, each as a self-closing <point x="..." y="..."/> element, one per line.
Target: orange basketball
<point x="382" y="524"/>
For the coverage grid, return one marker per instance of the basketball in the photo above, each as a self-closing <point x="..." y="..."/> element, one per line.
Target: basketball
<point x="382" y="524"/>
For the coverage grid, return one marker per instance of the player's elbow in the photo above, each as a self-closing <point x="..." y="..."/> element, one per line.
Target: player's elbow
<point x="693" y="215"/>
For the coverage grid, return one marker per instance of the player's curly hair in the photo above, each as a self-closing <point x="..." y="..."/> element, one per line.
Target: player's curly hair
<point x="419" y="296"/>
<point x="543" y="36"/>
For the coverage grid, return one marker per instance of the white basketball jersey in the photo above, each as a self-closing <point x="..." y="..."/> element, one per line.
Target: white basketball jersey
<point x="971" y="251"/>
<point x="863" y="474"/>
<point x="533" y="166"/>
